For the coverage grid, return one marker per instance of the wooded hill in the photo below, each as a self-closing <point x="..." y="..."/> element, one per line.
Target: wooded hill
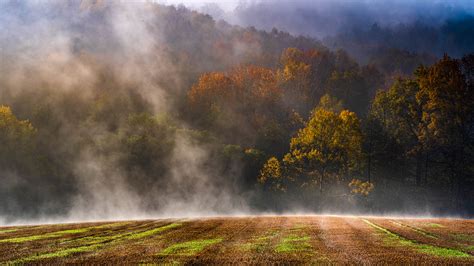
<point x="176" y="107"/>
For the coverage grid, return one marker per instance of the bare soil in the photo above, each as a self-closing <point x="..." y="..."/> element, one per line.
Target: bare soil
<point x="244" y="240"/>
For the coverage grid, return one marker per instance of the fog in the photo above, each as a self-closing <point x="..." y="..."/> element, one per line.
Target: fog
<point x="433" y="27"/>
<point x="87" y="73"/>
<point x="57" y="51"/>
<point x="323" y="18"/>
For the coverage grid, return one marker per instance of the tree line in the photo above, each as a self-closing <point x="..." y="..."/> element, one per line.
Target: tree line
<point x="283" y="121"/>
<point x="323" y="126"/>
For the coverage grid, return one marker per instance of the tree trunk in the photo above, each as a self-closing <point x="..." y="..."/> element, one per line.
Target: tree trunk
<point x="419" y="169"/>
<point x="452" y="185"/>
<point x="425" y="181"/>
<point x="461" y="170"/>
<point x="321" y="183"/>
<point x="369" y="166"/>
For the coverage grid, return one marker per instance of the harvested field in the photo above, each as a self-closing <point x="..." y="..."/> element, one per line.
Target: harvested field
<point x="244" y="240"/>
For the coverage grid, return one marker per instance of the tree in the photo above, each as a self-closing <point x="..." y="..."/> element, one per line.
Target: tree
<point x="271" y="175"/>
<point x="400" y="113"/>
<point x="147" y="143"/>
<point x="17" y="141"/>
<point x="384" y="156"/>
<point x="303" y="76"/>
<point x="351" y="88"/>
<point x="447" y="95"/>
<point x="328" y="148"/>
<point x="360" y="187"/>
<point x="245" y="105"/>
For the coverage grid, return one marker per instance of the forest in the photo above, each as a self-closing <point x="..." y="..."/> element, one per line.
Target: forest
<point x="170" y="111"/>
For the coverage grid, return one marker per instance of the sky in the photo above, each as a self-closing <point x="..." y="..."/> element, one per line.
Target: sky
<point x="322" y="18"/>
<point x="224" y="4"/>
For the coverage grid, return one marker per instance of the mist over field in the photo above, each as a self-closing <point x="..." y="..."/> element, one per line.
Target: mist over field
<point x="142" y="109"/>
<point x="80" y="66"/>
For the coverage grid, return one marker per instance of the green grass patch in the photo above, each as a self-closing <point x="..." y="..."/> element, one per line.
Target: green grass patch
<point x="57" y="254"/>
<point x="462" y="237"/>
<point x="43" y="236"/>
<point x="189" y="248"/>
<point x="58" y="233"/>
<point x="435" y="225"/>
<point x="134" y="235"/>
<point x="298" y="227"/>
<point x="5" y="231"/>
<point x="416" y="229"/>
<point x="153" y="231"/>
<point x="92" y="243"/>
<point x="93" y="240"/>
<point x="293" y="243"/>
<point x="259" y="244"/>
<point x="395" y="239"/>
<point x="442" y="252"/>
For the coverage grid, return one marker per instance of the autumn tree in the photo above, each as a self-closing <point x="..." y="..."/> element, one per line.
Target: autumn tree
<point x="271" y="175"/>
<point x="147" y="142"/>
<point x="245" y="105"/>
<point x="351" y="87"/>
<point x="303" y="76"/>
<point x="328" y="148"/>
<point x="447" y="95"/>
<point x="306" y="76"/>
<point x="17" y="141"/>
<point x="400" y="113"/>
<point x="383" y="155"/>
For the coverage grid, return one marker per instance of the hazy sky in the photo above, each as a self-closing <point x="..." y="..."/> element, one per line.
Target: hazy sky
<point x="227" y="5"/>
<point x="230" y="4"/>
<point x="319" y="18"/>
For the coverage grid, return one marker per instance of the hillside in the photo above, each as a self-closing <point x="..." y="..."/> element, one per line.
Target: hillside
<point x="111" y="110"/>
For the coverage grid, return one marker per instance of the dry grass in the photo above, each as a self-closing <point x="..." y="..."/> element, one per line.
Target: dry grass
<point x="248" y="240"/>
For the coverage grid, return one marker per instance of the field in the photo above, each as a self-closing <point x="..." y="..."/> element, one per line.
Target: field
<point x="244" y="240"/>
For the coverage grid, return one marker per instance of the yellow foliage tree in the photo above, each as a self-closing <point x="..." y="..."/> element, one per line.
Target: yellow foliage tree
<point x="360" y="187"/>
<point x="16" y="138"/>
<point x="328" y="147"/>
<point x="271" y="175"/>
